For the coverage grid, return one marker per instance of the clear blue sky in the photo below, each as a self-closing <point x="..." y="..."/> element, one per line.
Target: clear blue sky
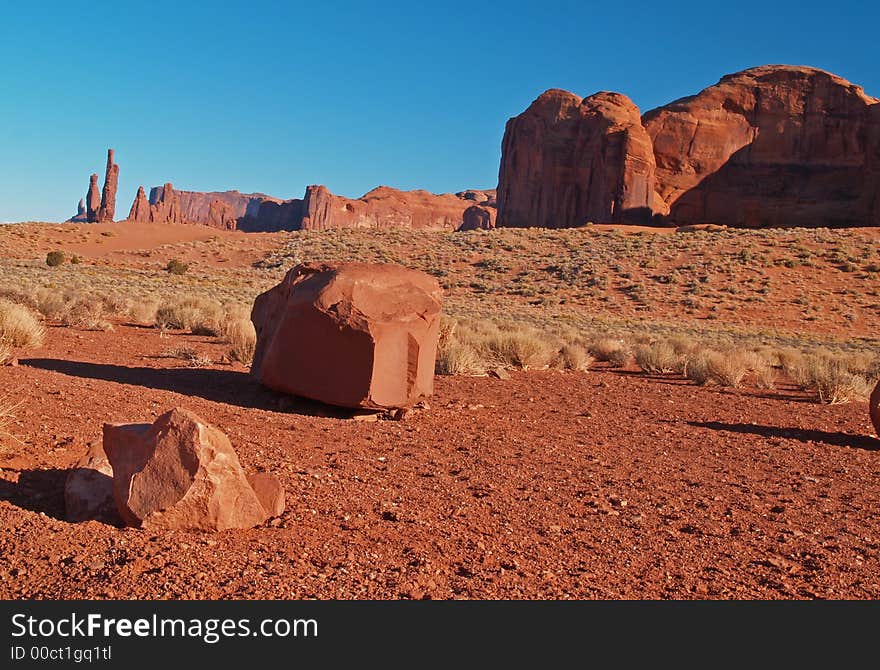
<point x="274" y="96"/>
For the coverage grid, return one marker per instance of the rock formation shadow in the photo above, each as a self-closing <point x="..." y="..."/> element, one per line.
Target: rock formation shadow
<point x="745" y="195"/>
<point x="838" y="439"/>
<point x="37" y="491"/>
<point x="223" y="386"/>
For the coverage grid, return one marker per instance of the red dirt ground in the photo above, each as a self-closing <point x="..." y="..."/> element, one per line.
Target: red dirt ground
<point x="129" y="243"/>
<point x="547" y="485"/>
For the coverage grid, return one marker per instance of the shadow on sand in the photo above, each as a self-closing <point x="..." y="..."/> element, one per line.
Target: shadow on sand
<point x="223" y="386"/>
<point x="803" y="435"/>
<point x="37" y="491"/>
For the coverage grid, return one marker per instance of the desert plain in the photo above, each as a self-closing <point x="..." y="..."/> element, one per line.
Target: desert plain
<point x="603" y="481"/>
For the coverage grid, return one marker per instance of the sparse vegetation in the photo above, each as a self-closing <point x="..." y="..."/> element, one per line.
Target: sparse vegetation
<point x="190" y="355"/>
<point x="658" y="358"/>
<point x="239" y="332"/>
<point x="7" y="416"/>
<point x="19" y="326"/>
<point x="176" y="267"/>
<point x="55" y="258"/>
<point x="614" y="351"/>
<point x="570" y="298"/>
<point x="200" y="316"/>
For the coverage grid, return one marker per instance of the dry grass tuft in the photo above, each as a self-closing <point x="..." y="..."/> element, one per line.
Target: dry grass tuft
<point x="188" y="354"/>
<point x="458" y="358"/>
<point x="728" y="368"/>
<point x="7" y="416"/>
<point x="610" y="350"/>
<point x="19" y="326"/>
<point x="200" y="316"/>
<point x="833" y="382"/>
<point x="658" y="358"/>
<point x="242" y="336"/>
<point x="572" y="357"/>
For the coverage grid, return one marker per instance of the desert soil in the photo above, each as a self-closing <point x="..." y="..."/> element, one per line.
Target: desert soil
<point x="605" y="484"/>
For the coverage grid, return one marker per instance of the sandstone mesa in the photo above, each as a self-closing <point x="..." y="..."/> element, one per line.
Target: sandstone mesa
<point x="770" y="146"/>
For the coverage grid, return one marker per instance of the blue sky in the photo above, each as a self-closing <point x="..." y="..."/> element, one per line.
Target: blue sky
<point x="274" y="96"/>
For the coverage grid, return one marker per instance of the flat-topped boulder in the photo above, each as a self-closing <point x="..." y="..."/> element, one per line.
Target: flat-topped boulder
<point x="355" y="335"/>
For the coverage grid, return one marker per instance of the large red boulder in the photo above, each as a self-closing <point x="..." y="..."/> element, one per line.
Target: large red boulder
<point x="180" y="473"/>
<point x="772" y="145"/>
<point x="567" y="161"/>
<point x="353" y="335"/>
<point x="874" y="408"/>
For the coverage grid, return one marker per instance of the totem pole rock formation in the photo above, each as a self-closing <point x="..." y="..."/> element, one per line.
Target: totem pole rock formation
<point x="140" y="208"/>
<point x="108" y="196"/>
<point x="93" y="199"/>
<point x="100" y="206"/>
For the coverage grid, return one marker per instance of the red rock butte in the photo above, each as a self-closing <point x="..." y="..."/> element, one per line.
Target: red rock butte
<point x="770" y="146"/>
<point x="775" y="145"/>
<point x="319" y="209"/>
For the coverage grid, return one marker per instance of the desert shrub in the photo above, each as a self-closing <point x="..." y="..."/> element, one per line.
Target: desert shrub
<point x="5" y="351"/>
<point x="831" y="380"/>
<point x="572" y="357"/>
<point x="657" y="358"/>
<point x="728" y="368"/>
<point x="76" y="260"/>
<point x="142" y="312"/>
<point x="458" y="358"/>
<point x="522" y="348"/>
<point x="696" y="367"/>
<point x="201" y="316"/>
<point x="19" y="326"/>
<point x="89" y="313"/>
<point x="242" y="337"/>
<point x="176" y="267"/>
<point x="794" y="364"/>
<point x="55" y="258"/>
<point x="610" y="350"/>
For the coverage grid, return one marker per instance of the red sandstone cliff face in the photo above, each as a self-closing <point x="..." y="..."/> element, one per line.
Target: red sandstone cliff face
<point x="566" y="161"/>
<point x="383" y="207"/>
<point x="773" y="145"/>
<point x="319" y="210"/>
<point x="872" y="188"/>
